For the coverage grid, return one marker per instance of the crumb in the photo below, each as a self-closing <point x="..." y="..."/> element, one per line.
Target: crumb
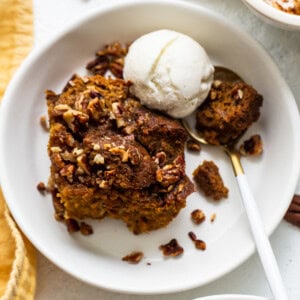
<point x="171" y="249"/>
<point x="134" y="257"/>
<point x="197" y="216"/>
<point x="194" y="146"/>
<point x="72" y="225"/>
<point x="148" y="264"/>
<point x="209" y="180"/>
<point x="86" y="229"/>
<point x="213" y="217"/>
<point x="253" y="146"/>
<point x="41" y="187"/>
<point x="44" y="123"/>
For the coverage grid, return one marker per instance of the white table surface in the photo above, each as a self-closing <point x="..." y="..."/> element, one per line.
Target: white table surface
<point x="284" y="46"/>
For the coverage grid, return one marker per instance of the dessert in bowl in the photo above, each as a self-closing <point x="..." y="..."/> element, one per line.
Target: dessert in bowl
<point x="96" y="259"/>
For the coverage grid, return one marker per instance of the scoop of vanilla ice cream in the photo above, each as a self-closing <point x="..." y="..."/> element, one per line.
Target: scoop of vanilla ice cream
<point x="170" y="72"/>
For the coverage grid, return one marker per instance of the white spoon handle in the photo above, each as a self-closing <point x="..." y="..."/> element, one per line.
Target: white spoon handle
<point x="261" y="240"/>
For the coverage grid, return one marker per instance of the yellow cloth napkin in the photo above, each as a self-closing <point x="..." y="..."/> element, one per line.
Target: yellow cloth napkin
<point x="17" y="256"/>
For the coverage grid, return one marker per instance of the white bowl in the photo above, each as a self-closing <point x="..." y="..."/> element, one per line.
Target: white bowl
<point x="232" y="297"/>
<point x="273" y="16"/>
<point x="97" y="259"/>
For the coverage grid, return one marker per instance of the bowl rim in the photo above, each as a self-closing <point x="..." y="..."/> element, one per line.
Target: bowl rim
<point x="273" y="14"/>
<point x="105" y="9"/>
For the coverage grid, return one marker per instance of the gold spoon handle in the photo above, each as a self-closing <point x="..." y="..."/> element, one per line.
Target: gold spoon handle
<point x="235" y="161"/>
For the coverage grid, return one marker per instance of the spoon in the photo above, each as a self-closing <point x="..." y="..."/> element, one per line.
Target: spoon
<point x="262" y="242"/>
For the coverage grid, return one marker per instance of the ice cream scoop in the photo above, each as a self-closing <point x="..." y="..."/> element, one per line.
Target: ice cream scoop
<point x="170" y="72"/>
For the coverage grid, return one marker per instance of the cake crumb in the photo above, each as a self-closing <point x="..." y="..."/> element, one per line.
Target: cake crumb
<point x="41" y="187"/>
<point x="198" y="216"/>
<point x="209" y="180"/>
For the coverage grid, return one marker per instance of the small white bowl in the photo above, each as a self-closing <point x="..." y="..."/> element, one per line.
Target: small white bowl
<point x="232" y="297"/>
<point x="273" y="16"/>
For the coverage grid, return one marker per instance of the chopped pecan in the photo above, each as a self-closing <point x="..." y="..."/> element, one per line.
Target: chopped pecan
<point x="293" y="213"/>
<point x="199" y="244"/>
<point x="98" y="159"/>
<point x="120" y="152"/>
<point x="57" y="161"/>
<point x="134" y="156"/>
<point x="82" y="163"/>
<point x="41" y="187"/>
<point x="111" y="58"/>
<point x="72" y="225"/>
<point x="74" y="117"/>
<point x="160" y="158"/>
<point x="168" y="175"/>
<point x="192" y="236"/>
<point x="134" y="257"/>
<point x="171" y="249"/>
<point x="94" y="108"/>
<point x="86" y="229"/>
<point x="193" y="146"/>
<point x="55" y="149"/>
<point x="67" y="171"/>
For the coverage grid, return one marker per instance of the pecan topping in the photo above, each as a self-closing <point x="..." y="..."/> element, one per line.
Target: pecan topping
<point x="293" y="213"/>
<point x="86" y="229"/>
<point x="171" y="249"/>
<point x="72" y="225"/>
<point x="168" y="175"/>
<point x="67" y="171"/>
<point x="134" y="257"/>
<point x="41" y="187"/>
<point x="74" y="117"/>
<point x="193" y="146"/>
<point x="111" y="58"/>
<point x="199" y="244"/>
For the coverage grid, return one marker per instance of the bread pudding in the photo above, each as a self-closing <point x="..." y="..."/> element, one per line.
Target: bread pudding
<point x="229" y="110"/>
<point x="112" y="157"/>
